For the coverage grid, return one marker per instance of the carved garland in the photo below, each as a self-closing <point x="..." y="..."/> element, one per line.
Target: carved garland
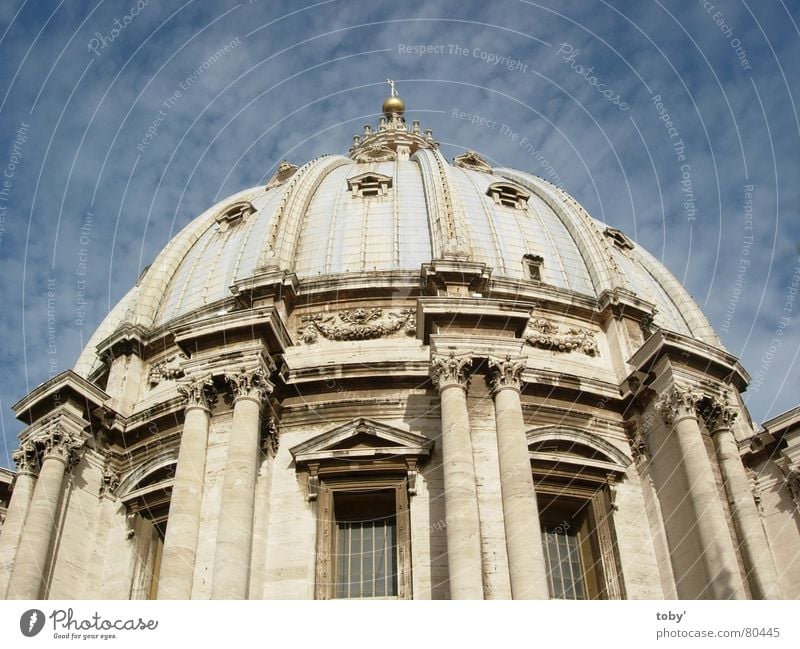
<point x="167" y="370"/>
<point x="548" y="335"/>
<point x="356" y="324"/>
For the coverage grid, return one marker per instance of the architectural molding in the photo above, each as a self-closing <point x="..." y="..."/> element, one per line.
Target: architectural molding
<point x="356" y="324"/>
<point x="284" y="171"/>
<point x="678" y="402"/>
<point x="506" y="372"/>
<point x="198" y="392"/>
<point x="450" y="370"/>
<point x="249" y="384"/>
<point x="58" y="442"/>
<point x="720" y="414"/>
<point x="26" y="457"/>
<point x="472" y="160"/>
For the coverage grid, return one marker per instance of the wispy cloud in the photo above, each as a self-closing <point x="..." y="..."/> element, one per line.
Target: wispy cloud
<point x="297" y="83"/>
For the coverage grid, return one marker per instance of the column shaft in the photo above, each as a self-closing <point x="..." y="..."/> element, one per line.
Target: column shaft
<point x="718" y="554"/>
<point x="14" y="524"/>
<point x="461" y="497"/>
<point x="520" y="511"/>
<point x="761" y="572"/>
<point x="235" y="535"/>
<point x="27" y="578"/>
<point x="183" y="525"/>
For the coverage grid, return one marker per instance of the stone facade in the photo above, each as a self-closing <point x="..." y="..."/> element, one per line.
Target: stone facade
<point x="209" y="439"/>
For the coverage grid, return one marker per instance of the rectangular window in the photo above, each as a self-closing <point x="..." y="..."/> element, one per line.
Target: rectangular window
<point x="363" y="538"/>
<point x="572" y="547"/>
<point x="366" y="544"/>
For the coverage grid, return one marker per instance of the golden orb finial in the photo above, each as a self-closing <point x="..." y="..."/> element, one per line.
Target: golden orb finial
<point x="393" y="103"/>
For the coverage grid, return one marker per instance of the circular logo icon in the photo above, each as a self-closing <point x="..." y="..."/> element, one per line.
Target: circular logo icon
<point x="31" y="622"/>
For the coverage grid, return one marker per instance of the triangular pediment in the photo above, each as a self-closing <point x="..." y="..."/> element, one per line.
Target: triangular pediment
<point x="361" y="437"/>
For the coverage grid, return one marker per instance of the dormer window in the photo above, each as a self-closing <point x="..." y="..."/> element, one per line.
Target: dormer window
<point x="533" y="267"/>
<point x="508" y="194"/>
<point x="234" y="214"/>
<point x="369" y="184"/>
<point x="619" y="239"/>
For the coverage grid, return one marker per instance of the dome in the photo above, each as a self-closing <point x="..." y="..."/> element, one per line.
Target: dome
<point x="394" y="204"/>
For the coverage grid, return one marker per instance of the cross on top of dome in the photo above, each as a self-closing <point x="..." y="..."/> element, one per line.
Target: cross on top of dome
<point x="392" y="140"/>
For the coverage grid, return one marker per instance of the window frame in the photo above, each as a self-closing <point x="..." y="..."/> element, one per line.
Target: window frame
<point x="329" y="486"/>
<point x="577" y="466"/>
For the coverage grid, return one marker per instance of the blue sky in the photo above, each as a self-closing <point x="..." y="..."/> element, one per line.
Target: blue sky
<point x="119" y="111"/>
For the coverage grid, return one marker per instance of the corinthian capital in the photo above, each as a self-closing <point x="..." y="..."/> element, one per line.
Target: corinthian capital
<point x="249" y="384"/>
<point x="26" y="457"/>
<point x="58" y="442"/>
<point x="678" y="402"/>
<point x="506" y="372"/>
<point x="720" y="414"/>
<point x="198" y="392"/>
<point x="450" y="369"/>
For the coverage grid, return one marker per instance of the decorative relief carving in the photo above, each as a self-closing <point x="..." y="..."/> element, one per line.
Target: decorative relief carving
<point x="506" y="372"/>
<point x="450" y="369"/>
<point x="167" y="370"/>
<point x="472" y="160"/>
<point x="791" y="478"/>
<point x="270" y="438"/>
<point x="285" y="171"/>
<point x="356" y="324"/>
<point x="199" y="392"/>
<point x="26" y="457"/>
<point x="755" y="487"/>
<point x="251" y="384"/>
<point x="110" y="482"/>
<point x="637" y="442"/>
<point x="376" y="152"/>
<point x="55" y="441"/>
<point x="548" y="335"/>
<point x="720" y="414"/>
<point x="677" y="402"/>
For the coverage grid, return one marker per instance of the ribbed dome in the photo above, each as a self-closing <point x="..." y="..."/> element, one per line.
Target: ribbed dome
<point x="396" y="203"/>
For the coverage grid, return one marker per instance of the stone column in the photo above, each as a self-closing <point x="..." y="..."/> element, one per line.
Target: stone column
<point x="235" y="535"/>
<point x="460" y="489"/>
<point x="761" y="573"/>
<point x="183" y="525"/>
<point x="678" y="409"/>
<point x="520" y="511"/>
<point x="58" y="447"/>
<point x="27" y="461"/>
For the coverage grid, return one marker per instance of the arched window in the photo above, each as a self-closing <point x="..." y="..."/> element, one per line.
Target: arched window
<point x="508" y="194"/>
<point x="575" y="474"/>
<point x="146" y="494"/>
